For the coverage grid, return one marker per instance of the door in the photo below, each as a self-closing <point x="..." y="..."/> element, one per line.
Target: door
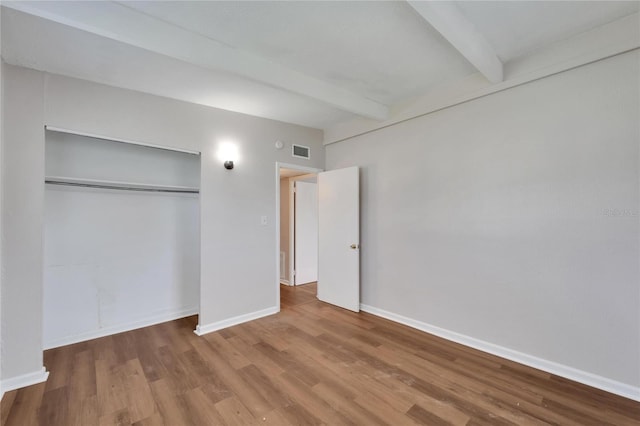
<point x="339" y="238"/>
<point x="306" y="233"/>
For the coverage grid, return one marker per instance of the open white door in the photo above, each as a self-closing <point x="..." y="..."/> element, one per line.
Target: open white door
<point x="339" y="238"/>
<point x="306" y="233"/>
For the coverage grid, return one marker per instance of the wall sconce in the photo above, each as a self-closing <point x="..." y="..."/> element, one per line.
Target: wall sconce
<point x="228" y="154"/>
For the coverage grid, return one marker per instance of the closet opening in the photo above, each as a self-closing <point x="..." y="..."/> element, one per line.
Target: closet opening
<point x="121" y="236"/>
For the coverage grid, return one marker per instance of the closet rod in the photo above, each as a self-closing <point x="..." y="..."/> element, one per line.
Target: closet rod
<point x="123" y="188"/>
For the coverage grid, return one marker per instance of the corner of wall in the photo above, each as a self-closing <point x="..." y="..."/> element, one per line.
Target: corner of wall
<point x="23" y="380"/>
<point x="21" y="275"/>
<point x="202" y="329"/>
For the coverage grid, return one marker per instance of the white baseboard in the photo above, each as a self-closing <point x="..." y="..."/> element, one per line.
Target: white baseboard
<point x="107" y="331"/>
<point x="23" y="380"/>
<point x="580" y="376"/>
<point x="209" y="328"/>
<point x="285" y="282"/>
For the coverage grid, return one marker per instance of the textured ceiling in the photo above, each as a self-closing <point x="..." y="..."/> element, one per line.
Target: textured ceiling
<point x="519" y="27"/>
<point x="381" y="50"/>
<point x="310" y="63"/>
<point x="48" y="46"/>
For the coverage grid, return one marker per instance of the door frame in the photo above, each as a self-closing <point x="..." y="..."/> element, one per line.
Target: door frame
<point x="279" y="165"/>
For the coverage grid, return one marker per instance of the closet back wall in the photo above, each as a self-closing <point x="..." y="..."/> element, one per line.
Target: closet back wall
<point x="117" y="259"/>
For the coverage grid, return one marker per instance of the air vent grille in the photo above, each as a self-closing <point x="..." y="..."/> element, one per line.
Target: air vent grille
<point x="300" y="151"/>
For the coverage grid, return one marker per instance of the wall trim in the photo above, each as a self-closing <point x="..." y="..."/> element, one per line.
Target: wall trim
<point x="219" y="325"/>
<point x="23" y="380"/>
<point x="580" y="376"/>
<point x="285" y="282"/>
<point x="115" y="329"/>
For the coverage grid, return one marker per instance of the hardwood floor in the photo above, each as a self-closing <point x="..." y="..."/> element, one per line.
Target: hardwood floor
<point x="310" y="364"/>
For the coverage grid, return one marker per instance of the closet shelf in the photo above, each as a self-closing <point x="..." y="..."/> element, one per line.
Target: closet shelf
<point x="118" y="185"/>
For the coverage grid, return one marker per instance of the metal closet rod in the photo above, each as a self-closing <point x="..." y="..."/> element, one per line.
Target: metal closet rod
<point x="122" y="188"/>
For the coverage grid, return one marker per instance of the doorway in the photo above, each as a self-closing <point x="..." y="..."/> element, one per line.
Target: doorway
<point x="297" y="226"/>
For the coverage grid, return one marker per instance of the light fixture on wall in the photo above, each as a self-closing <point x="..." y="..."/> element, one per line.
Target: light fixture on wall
<point x="228" y="154"/>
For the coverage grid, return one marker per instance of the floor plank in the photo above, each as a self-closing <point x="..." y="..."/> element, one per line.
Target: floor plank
<point x="310" y="364"/>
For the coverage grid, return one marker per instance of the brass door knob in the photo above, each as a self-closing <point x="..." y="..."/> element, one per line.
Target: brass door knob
<point x="354" y="246"/>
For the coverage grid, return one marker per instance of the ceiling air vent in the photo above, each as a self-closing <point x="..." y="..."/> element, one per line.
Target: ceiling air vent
<point x="300" y="151"/>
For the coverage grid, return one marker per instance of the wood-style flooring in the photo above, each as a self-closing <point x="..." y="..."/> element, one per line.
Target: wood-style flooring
<point x="310" y="364"/>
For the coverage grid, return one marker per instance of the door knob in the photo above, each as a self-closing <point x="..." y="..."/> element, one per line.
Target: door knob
<point x="354" y="246"/>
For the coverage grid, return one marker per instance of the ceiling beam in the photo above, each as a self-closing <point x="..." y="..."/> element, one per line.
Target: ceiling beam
<point x="449" y="21"/>
<point x="119" y="22"/>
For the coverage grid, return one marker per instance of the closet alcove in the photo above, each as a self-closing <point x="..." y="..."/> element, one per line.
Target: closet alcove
<point x="121" y="236"/>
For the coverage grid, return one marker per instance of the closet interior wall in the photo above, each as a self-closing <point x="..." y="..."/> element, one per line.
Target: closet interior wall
<point x="117" y="259"/>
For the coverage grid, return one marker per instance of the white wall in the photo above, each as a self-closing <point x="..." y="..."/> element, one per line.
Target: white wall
<point x="22" y="206"/>
<point x="1" y="176"/>
<point x="116" y="260"/>
<point x="237" y="270"/>
<point x="493" y="219"/>
<point x="306" y="232"/>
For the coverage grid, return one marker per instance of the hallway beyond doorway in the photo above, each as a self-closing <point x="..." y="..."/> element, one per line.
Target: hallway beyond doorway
<point x="297" y="295"/>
